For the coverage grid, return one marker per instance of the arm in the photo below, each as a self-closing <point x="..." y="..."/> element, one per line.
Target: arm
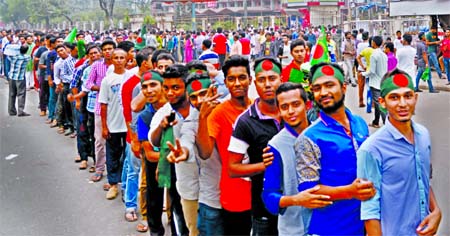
<point x="425" y="58"/>
<point x="430" y="224"/>
<point x="138" y="102"/>
<point x="237" y="169"/>
<point x="103" y="114"/>
<point x="90" y="83"/>
<point x="204" y="139"/>
<point x="358" y="58"/>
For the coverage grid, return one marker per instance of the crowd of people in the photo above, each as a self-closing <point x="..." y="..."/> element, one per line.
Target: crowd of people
<point x="167" y="117"/>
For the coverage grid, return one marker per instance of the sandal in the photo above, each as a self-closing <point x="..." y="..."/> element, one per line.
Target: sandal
<point x="77" y="159"/>
<point x="92" y="169"/>
<point x="106" y="186"/>
<point x="74" y="135"/>
<point x="83" y="165"/>
<point x="130" y="215"/>
<point x="142" y="226"/>
<point x="97" y="177"/>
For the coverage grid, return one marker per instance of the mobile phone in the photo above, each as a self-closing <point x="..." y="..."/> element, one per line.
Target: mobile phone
<point x="171" y="117"/>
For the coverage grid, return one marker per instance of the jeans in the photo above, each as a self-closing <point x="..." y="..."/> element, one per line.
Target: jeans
<point x="132" y="179"/>
<point x="432" y="60"/>
<point x="7" y="66"/>
<point x="115" y="149"/>
<point x="375" y="95"/>
<point x="237" y="223"/>
<point x="419" y="75"/>
<point x="178" y="228"/>
<point x="43" y="93"/>
<point x="52" y="103"/>
<point x="209" y="220"/>
<point x="17" y="90"/>
<point x="155" y="200"/>
<point x="85" y="135"/>
<point x="264" y="226"/>
<point x="447" y="67"/>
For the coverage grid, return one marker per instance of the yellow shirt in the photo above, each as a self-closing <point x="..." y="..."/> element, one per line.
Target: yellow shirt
<point x="366" y="53"/>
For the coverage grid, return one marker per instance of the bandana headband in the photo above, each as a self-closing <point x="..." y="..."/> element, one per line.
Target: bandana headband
<point x="267" y="65"/>
<point x="198" y="85"/>
<point x="151" y="75"/>
<point x="328" y="70"/>
<point x="394" y="82"/>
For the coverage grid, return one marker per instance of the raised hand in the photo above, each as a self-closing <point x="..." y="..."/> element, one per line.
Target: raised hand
<point x="209" y="102"/>
<point x="177" y="154"/>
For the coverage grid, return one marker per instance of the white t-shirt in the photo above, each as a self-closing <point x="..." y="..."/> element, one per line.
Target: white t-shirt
<point x="110" y="95"/>
<point x="286" y="52"/>
<point x="361" y="47"/>
<point x="398" y="44"/>
<point x="405" y="57"/>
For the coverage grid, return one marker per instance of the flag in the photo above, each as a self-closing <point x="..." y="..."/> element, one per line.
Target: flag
<point x="71" y="36"/>
<point x="425" y="75"/>
<point x="81" y="49"/>
<point x="141" y="40"/>
<point x="321" y="49"/>
<point x="164" y="168"/>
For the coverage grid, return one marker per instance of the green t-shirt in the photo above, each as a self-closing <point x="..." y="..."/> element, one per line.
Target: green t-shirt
<point x="431" y="38"/>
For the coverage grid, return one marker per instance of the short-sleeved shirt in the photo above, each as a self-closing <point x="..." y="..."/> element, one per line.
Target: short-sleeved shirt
<point x="400" y="172"/>
<point x="326" y="155"/>
<point x="421" y="48"/>
<point x="220" y="127"/>
<point x="366" y="53"/>
<point x="127" y="97"/>
<point x="42" y="59"/>
<point x="220" y="44"/>
<point x="110" y="95"/>
<point x="251" y="133"/>
<point x="431" y="38"/>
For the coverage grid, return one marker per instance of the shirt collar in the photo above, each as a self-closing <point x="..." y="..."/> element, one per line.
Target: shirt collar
<point x="328" y="120"/>
<point x="291" y="130"/>
<point x="256" y="113"/>
<point x="396" y="134"/>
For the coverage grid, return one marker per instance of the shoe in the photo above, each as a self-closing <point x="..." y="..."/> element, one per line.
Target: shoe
<point x="49" y="121"/>
<point x="23" y="114"/>
<point x="374" y="125"/>
<point x="92" y="169"/>
<point x="362" y="105"/>
<point x="353" y="85"/>
<point x="106" y="187"/>
<point x="83" y="165"/>
<point x="54" y="124"/>
<point x="61" y="130"/>
<point x="68" y="132"/>
<point x="42" y="113"/>
<point x="130" y="215"/>
<point x="418" y="90"/>
<point x="433" y="91"/>
<point x="12" y="114"/>
<point x="77" y="159"/>
<point x="112" y="192"/>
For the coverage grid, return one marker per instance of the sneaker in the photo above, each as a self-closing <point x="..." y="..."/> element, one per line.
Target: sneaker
<point x="433" y="91"/>
<point x="24" y="114"/>
<point x="417" y="90"/>
<point x="112" y="192"/>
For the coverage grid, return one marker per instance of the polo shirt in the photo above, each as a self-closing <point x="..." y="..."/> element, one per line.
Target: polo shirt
<point x="400" y="171"/>
<point x="251" y="133"/>
<point x="326" y="155"/>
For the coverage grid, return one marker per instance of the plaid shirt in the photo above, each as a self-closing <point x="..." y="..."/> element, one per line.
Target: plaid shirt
<point x="92" y="95"/>
<point x="18" y="66"/>
<point x="97" y="74"/>
<point x="67" y="70"/>
<point x="76" y="79"/>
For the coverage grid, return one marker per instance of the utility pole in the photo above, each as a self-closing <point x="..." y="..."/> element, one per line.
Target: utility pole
<point x="194" y="23"/>
<point x="245" y="14"/>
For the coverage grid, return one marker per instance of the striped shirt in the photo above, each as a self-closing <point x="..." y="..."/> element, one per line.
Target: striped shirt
<point x="210" y="57"/>
<point x="18" y="66"/>
<point x="68" y="67"/>
<point x="97" y="74"/>
<point x="76" y="79"/>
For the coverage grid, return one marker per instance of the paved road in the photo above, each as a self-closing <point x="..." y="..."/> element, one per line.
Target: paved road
<point x="42" y="192"/>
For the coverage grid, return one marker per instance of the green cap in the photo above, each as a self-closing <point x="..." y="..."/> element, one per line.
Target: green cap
<point x="396" y="81"/>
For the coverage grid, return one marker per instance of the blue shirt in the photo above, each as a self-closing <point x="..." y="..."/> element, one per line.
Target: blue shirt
<point x="326" y="155"/>
<point x="143" y="122"/>
<point x="18" y="66"/>
<point x="400" y="171"/>
<point x="77" y="74"/>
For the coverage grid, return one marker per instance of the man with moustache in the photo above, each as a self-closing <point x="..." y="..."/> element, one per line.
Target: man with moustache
<point x="298" y="52"/>
<point x="326" y="156"/>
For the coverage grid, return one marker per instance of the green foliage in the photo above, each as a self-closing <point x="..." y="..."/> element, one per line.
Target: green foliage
<point x="14" y="11"/>
<point x="229" y="25"/>
<point x="149" y="20"/>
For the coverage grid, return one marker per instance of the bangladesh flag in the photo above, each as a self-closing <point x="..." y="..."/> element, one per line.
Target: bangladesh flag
<point x="321" y="49"/>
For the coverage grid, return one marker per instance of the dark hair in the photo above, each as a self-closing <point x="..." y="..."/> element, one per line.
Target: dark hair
<point x="157" y="53"/>
<point x="164" y="56"/>
<point x="407" y="38"/>
<point x="378" y="40"/>
<point x="71" y="46"/>
<point x="347" y="33"/>
<point x="52" y="40"/>
<point x="23" y="49"/>
<point x="196" y="65"/>
<point x="59" y="46"/>
<point x="398" y="31"/>
<point x="219" y="30"/>
<point x="176" y="71"/>
<point x="143" y="55"/>
<point x="108" y="42"/>
<point x="370" y="41"/>
<point x="126" y="45"/>
<point x="365" y="35"/>
<point x="296" y="43"/>
<point x="288" y="86"/>
<point x="92" y="46"/>
<point x="78" y="35"/>
<point x="273" y="60"/>
<point x="236" y="61"/>
<point x="207" y="43"/>
<point x="390" y="46"/>
<point x="317" y="66"/>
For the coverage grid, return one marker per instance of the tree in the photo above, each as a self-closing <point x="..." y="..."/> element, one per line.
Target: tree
<point x="108" y="7"/>
<point x="45" y="10"/>
<point x="14" y="11"/>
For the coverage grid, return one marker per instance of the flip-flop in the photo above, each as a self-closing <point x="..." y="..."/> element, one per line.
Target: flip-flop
<point x="130" y="215"/>
<point x="142" y="226"/>
<point x="97" y="177"/>
<point x="92" y="169"/>
<point x="77" y="159"/>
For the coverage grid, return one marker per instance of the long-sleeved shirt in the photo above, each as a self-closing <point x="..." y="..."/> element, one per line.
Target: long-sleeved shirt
<point x="378" y="67"/>
<point x="400" y="172"/>
<point x="18" y="66"/>
<point x="97" y="74"/>
<point x="68" y="66"/>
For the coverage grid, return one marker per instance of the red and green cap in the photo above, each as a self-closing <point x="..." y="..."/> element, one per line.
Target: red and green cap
<point x="396" y="81"/>
<point x="197" y="80"/>
<point x="151" y="75"/>
<point x="267" y="65"/>
<point x="328" y="70"/>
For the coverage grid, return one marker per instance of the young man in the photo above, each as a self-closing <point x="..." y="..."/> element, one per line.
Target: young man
<point x="445" y="48"/>
<point x="326" y="156"/>
<point x="280" y="194"/>
<point x="251" y="133"/>
<point x="96" y="75"/>
<point x="214" y="132"/>
<point x="292" y="72"/>
<point x="396" y="159"/>
<point x="349" y="51"/>
<point x="422" y="64"/>
<point x="398" y="41"/>
<point x="406" y="54"/>
<point x="378" y="67"/>
<point x="208" y="55"/>
<point x="220" y="45"/>
<point x="113" y="123"/>
<point x="363" y="52"/>
<point x="284" y="51"/>
<point x="17" y="83"/>
<point x="432" y="42"/>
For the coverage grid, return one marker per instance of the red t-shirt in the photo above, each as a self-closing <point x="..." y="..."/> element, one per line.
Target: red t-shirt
<point x="245" y="42"/>
<point x="235" y="193"/>
<point x="286" y="72"/>
<point x="127" y="96"/>
<point x="445" y="48"/>
<point x="220" y="44"/>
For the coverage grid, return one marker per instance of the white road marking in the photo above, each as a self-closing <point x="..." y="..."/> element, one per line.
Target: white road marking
<point x="11" y="156"/>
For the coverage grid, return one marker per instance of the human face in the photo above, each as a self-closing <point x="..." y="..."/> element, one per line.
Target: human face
<point x="447" y="33"/>
<point x="400" y="104"/>
<point x="22" y="40"/>
<point x="238" y="81"/>
<point x="152" y="91"/>
<point x="94" y="54"/>
<point x="62" y="52"/>
<point x="292" y="108"/>
<point x="266" y="83"/>
<point x="299" y="53"/>
<point x="29" y="40"/>
<point x="119" y="39"/>
<point x="328" y="37"/>
<point x="196" y="98"/>
<point x="80" y="37"/>
<point x="147" y="65"/>
<point x="285" y="39"/>
<point x="119" y="59"/>
<point x="328" y="93"/>
<point x="107" y="51"/>
<point x="162" y="65"/>
<point x="59" y="41"/>
<point x="175" y="91"/>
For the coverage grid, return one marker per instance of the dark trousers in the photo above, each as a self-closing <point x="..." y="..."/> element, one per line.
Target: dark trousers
<point x="43" y="93"/>
<point x="64" y="108"/>
<point x="115" y="149"/>
<point x="221" y="60"/>
<point x="376" y="93"/>
<point x="17" y="89"/>
<point x="85" y="135"/>
<point x="155" y="199"/>
<point x="264" y="226"/>
<point x="237" y="223"/>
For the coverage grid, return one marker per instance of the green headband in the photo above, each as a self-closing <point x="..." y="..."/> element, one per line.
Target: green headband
<point x="267" y="65"/>
<point x="198" y="84"/>
<point x="151" y="75"/>
<point x="328" y="70"/>
<point x="394" y="82"/>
